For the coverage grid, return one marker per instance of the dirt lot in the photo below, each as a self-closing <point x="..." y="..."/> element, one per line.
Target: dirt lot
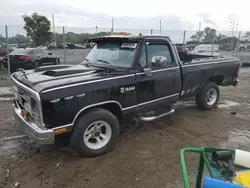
<point x="146" y="154"/>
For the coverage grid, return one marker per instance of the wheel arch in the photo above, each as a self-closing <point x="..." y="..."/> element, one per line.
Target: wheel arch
<point x="218" y="79"/>
<point x="113" y="106"/>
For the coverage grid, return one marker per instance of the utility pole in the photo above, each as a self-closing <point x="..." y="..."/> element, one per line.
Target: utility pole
<point x="199" y="29"/>
<point x="7" y="46"/>
<point x="53" y="20"/>
<point x="232" y="35"/>
<point x="112" y="29"/>
<point x="199" y="34"/>
<point x="96" y="29"/>
<point x="233" y="29"/>
<point x="160" y="27"/>
<point x="184" y="38"/>
<point x="238" y="43"/>
<point x="64" y="45"/>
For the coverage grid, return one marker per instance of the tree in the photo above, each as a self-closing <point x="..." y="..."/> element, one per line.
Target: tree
<point x="210" y="34"/>
<point x="207" y="35"/>
<point x="247" y="33"/>
<point x="19" y="39"/>
<point x="2" y="39"/>
<point x="197" y="36"/>
<point x="37" y="28"/>
<point x="220" y="38"/>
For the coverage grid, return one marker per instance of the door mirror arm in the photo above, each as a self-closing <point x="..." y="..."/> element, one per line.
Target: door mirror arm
<point x="148" y="71"/>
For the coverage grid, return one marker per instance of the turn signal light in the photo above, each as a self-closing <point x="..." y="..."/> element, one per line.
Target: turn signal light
<point x="59" y="131"/>
<point x="22" y="113"/>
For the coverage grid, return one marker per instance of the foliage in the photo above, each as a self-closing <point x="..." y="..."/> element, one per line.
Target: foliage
<point x="197" y="36"/>
<point x="19" y="39"/>
<point x="247" y="33"/>
<point x="210" y="34"/>
<point x="2" y="39"/>
<point x="81" y="37"/>
<point x="37" y="28"/>
<point x="207" y="35"/>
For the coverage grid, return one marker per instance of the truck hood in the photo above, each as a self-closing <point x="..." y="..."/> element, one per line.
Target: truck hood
<point x="59" y="75"/>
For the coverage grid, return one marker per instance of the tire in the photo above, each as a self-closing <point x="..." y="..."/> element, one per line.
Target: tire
<point x="206" y="102"/>
<point x="85" y="137"/>
<point x="36" y="64"/>
<point x="57" y="61"/>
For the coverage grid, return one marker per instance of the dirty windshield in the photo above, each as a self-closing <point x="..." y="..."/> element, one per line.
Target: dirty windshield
<point x="118" y="54"/>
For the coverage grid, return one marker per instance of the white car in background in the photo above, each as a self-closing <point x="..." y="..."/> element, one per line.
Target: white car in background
<point x="206" y="49"/>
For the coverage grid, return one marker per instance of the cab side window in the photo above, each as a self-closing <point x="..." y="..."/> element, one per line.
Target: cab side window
<point x="158" y="55"/>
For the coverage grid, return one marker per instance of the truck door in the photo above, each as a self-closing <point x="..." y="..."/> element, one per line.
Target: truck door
<point x="158" y="76"/>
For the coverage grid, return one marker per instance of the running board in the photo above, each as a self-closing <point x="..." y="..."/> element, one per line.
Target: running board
<point x="152" y="118"/>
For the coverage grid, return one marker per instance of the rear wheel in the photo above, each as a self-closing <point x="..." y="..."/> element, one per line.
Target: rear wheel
<point x="208" y="97"/>
<point x="95" y="133"/>
<point x="36" y="64"/>
<point x="57" y="61"/>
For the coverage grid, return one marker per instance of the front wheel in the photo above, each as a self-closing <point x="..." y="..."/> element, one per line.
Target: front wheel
<point x="208" y="97"/>
<point x="36" y="64"/>
<point x="57" y="61"/>
<point x="95" y="133"/>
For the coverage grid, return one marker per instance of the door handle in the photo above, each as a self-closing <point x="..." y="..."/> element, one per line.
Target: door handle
<point x="173" y="70"/>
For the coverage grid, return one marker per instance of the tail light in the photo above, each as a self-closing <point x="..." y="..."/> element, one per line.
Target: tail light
<point x="200" y="51"/>
<point x="25" y="57"/>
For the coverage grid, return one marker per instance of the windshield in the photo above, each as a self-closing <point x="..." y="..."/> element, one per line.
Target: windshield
<point x="118" y="53"/>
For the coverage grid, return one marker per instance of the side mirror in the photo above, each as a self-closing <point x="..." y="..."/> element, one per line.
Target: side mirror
<point x="159" y="59"/>
<point x="147" y="71"/>
<point x="50" y="53"/>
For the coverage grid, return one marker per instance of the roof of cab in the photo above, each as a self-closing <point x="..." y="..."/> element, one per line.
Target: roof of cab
<point x="128" y="37"/>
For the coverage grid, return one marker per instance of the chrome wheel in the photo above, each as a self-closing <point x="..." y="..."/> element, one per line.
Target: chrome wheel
<point x="97" y="135"/>
<point x="211" y="96"/>
<point x="36" y="64"/>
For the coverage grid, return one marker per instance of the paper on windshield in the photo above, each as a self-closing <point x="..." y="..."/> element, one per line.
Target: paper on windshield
<point x="128" y="45"/>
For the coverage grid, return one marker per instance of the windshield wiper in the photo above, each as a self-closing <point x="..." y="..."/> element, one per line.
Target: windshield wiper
<point x="103" y="61"/>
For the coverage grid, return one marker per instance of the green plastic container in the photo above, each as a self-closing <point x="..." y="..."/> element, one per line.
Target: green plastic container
<point x="204" y="158"/>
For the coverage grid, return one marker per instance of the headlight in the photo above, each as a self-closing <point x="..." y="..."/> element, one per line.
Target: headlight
<point x="15" y="92"/>
<point x="34" y="108"/>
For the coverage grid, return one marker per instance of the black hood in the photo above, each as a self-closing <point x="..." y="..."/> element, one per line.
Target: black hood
<point x="52" y="76"/>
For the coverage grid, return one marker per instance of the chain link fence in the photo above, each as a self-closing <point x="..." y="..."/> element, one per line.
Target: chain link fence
<point x="69" y="45"/>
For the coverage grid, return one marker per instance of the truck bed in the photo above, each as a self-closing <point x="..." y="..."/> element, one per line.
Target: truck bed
<point x="185" y="58"/>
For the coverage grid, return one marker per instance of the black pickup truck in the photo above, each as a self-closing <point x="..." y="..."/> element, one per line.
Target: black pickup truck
<point x="122" y="76"/>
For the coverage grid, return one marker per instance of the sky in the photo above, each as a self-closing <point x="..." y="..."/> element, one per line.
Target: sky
<point x="136" y="15"/>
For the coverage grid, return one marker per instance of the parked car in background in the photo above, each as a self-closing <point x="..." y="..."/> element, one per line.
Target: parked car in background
<point x="60" y="46"/>
<point x="71" y="46"/>
<point x="3" y="52"/>
<point x="30" y="58"/>
<point x="227" y="47"/>
<point x="80" y="46"/>
<point x="206" y="49"/>
<point x="24" y="45"/>
<point x="181" y="47"/>
<point x="43" y="47"/>
<point x="89" y="44"/>
<point x="191" y="46"/>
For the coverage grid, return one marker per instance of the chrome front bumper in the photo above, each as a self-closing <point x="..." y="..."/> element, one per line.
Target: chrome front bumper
<point x="40" y="135"/>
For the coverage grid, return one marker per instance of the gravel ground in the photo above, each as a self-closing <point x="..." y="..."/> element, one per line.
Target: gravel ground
<point x="146" y="155"/>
